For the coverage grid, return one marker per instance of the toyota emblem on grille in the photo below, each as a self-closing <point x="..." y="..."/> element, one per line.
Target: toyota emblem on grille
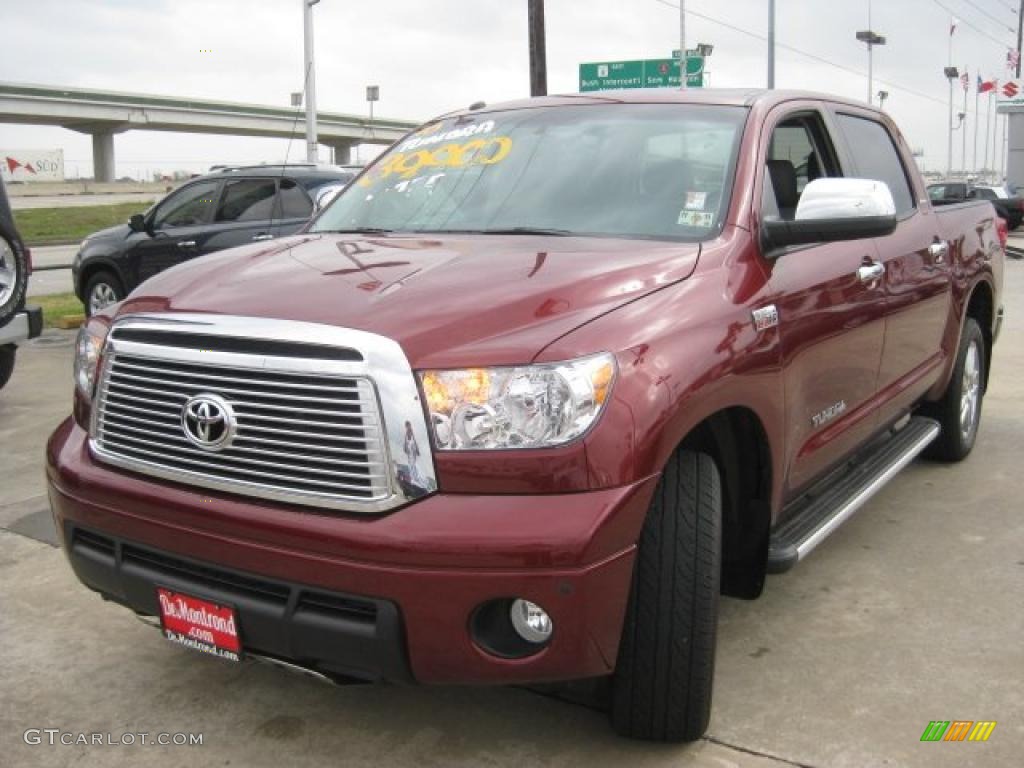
<point x="208" y="421"/>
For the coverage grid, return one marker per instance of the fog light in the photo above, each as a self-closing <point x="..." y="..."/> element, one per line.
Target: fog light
<point x="530" y="621"/>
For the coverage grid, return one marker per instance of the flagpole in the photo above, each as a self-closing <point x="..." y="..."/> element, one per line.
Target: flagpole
<point x="988" y="128"/>
<point x="977" y="122"/>
<point x="963" y="127"/>
<point x="949" y="122"/>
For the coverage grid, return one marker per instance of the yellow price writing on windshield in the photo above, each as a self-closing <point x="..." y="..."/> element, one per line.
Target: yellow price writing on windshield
<point x="490" y="151"/>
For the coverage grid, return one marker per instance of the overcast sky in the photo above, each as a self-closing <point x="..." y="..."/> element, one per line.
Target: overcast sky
<point x="430" y="56"/>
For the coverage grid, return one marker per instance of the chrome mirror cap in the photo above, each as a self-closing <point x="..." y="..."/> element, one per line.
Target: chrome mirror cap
<point x="837" y="198"/>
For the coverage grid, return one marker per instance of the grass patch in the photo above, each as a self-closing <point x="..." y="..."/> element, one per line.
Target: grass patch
<point x="57" y="306"/>
<point x="39" y="226"/>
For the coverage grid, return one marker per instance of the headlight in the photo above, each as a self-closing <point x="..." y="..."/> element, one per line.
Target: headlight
<point x="88" y="349"/>
<point x="533" y="406"/>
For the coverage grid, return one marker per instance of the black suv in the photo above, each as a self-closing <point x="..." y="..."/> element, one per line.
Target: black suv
<point x="233" y="206"/>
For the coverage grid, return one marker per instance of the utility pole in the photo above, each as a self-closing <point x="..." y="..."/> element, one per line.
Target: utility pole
<point x="977" y="122"/>
<point x="988" y="128"/>
<point x="682" y="44"/>
<point x="538" y="49"/>
<point x="951" y="74"/>
<point x="771" y="43"/>
<point x="310" y="81"/>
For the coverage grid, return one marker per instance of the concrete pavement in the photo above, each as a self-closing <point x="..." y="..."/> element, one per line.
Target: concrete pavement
<point x="45" y="282"/>
<point x="144" y="199"/>
<point x="911" y="612"/>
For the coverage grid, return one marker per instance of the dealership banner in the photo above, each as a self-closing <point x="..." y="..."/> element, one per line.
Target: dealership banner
<point x="32" y="164"/>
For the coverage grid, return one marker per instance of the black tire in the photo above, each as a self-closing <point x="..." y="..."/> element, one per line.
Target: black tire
<point x="13" y="279"/>
<point x="7" y="354"/>
<point x="954" y="443"/>
<point x="104" y="280"/>
<point x="661" y="689"/>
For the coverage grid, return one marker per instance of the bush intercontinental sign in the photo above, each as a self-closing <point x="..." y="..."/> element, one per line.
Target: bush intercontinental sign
<point x="643" y="73"/>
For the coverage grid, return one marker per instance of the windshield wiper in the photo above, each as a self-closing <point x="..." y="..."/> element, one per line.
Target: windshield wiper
<point x="527" y="231"/>
<point x="358" y="231"/>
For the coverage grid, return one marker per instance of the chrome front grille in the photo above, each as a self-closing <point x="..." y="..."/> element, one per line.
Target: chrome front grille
<point x="305" y="430"/>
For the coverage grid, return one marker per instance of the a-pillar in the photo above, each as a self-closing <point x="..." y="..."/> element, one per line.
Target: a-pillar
<point x="103" y="156"/>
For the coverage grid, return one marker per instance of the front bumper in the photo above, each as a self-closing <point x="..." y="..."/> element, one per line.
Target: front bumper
<point x="26" y="324"/>
<point x="425" y="568"/>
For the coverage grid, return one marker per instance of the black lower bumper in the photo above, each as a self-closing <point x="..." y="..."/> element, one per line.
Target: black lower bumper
<point x="337" y="635"/>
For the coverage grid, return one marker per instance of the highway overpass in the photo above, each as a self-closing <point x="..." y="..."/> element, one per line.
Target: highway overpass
<point x="105" y="113"/>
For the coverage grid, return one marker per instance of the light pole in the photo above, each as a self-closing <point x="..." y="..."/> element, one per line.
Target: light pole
<point x="951" y="74"/>
<point x="372" y="95"/>
<point x="771" y="44"/>
<point x="704" y="50"/>
<point x="871" y="39"/>
<point x="682" y="44"/>
<point x="309" y="80"/>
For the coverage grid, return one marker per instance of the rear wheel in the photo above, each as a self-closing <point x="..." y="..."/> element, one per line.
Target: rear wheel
<point x="102" y="290"/>
<point x="661" y="689"/>
<point x="959" y="410"/>
<point x="7" y="354"/>
<point x="13" y="280"/>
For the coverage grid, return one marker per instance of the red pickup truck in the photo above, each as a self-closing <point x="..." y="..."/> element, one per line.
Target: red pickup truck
<point x="531" y="393"/>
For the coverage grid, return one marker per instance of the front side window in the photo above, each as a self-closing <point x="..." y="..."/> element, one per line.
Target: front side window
<point x="247" y="200"/>
<point x="797" y="155"/>
<point x="189" y="206"/>
<point x="875" y="156"/>
<point x="621" y="170"/>
<point x="937" y="193"/>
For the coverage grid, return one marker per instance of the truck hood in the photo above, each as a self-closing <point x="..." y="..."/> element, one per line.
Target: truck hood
<point x="451" y="300"/>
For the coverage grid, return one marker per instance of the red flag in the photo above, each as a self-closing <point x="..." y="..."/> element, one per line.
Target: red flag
<point x="986" y="85"/>
<point x="1012" y="58"/>
<point x="965" y="81"/>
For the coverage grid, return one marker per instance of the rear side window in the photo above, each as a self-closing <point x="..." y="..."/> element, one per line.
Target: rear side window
<point x="875" y="156"/>
<point x="292" y="202"/>
<point x="247" y="200"/>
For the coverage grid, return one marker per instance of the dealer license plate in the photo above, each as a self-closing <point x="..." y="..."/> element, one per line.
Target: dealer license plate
<point x="199" y="624"/>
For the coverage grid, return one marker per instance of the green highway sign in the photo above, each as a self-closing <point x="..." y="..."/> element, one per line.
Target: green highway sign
<point x="645" y="73"/>
<point x="694" y="61"/>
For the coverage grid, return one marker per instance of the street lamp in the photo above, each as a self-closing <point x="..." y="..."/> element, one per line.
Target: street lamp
<point x="871" y="39"/>
<point x="952" y="74"/>
<point x="372" y="95"/>
<point x="882" y="96"/>
<point x="704" y="50"/>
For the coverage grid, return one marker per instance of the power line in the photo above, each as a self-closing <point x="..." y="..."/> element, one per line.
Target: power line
<point x="793" y="49"/>
<point x="1000" y="22"/>
<point x="966" y="22"/>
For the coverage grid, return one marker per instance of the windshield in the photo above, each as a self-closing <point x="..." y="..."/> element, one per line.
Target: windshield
<point x="624" y="170"/>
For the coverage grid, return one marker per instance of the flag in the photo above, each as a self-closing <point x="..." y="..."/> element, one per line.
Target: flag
<point x="984" y="86"/>
<point x="965" y="81"/>
<point x="952" y="25"/>
<point x="1012" y="58"/>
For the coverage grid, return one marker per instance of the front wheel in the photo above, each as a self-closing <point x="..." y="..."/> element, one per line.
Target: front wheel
<point x="102" y="290"/>
<point x="959" y="410"/>
<point x="661" y="689"/>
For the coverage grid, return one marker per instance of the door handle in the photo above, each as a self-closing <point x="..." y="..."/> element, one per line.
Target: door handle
<point x="263" y="236"/>
<point x="938" y="251"/>
<point x="187" y="244"/>
<point x="869" y="273"/>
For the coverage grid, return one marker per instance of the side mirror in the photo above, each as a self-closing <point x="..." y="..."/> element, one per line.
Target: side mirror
<point x="137" y="222"/>
<point x="835" y="209"/>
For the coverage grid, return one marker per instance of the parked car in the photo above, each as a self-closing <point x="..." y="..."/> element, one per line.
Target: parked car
<point x="527" y="396"/>
<point x="1009" y="207"/>
<point x="233" y="206"/>
<point x="17" y="323"/>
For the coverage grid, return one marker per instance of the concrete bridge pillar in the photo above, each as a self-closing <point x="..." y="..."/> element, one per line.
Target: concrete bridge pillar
<point x="341" y="151"/>
<point x="103" y="156"/>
